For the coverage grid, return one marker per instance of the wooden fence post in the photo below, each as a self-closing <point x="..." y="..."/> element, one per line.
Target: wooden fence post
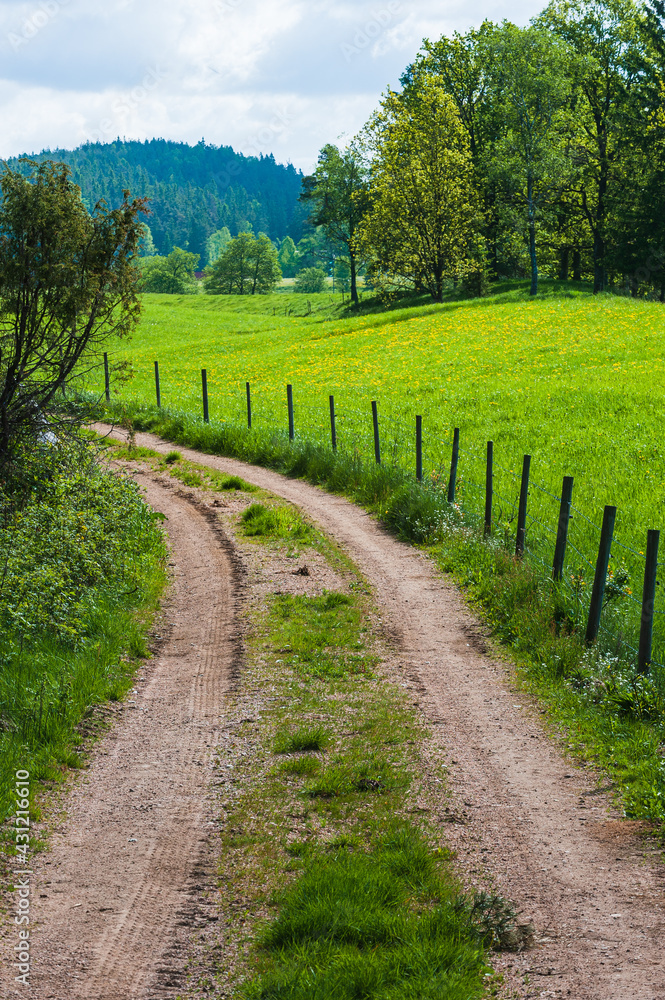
<point x="375" y="421"/>
<point x="489" y="488"/>
<point x="107" y="380"/>
<point x="419" y="449"/>
<point x="562" y="530"/>
<point x="521" y="511"/>
<point x="333" y="428"/>
<point x="453" y="467"/>
<point x="289" y="400"/>
<point x="648" y="602"/>
<point x="249" y="406"/>
<point x="600" y="576"/>
<point x="157" y="392"/>
<point x="204" y="386"/>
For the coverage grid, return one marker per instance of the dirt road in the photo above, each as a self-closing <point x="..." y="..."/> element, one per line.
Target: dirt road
<point x="120" y="869"/>
<point x="595" y="891"/>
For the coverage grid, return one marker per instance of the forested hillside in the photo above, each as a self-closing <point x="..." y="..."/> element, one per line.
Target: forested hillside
<point x="193" y="190"/>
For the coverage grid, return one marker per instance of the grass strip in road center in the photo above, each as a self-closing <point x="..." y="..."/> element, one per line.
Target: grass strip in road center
<point x="332" y="881"/>
<point x="330" y="886"/>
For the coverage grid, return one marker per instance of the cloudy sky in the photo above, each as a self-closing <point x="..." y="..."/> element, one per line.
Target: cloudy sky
<point x="281" y="76"/>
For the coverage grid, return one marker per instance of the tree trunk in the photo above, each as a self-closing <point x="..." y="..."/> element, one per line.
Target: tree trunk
<point x="563" y="264"/>
<point x="599" y="272"/>
<point x="577" y="265"/>
<point x="354" y="289"/>
<point x="438" y="286"/>
<point x="662" y="291"/>
<point x="532" y="239"/>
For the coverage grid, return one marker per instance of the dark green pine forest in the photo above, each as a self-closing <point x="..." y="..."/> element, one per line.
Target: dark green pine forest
<point x="193" y="190"/>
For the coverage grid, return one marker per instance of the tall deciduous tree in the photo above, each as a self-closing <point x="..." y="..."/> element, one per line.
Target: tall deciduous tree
<point x="68" y="283"/>
<point x="459" y="65"/>
<point x="337" y="194"/>
<point x="287" y="257"/>
<point x="422" y="227"/>
<point x="248" y="266"/>
<point x="530" y="80"/>
<point x="216" y="244"/>
<point x="606" y="35"/>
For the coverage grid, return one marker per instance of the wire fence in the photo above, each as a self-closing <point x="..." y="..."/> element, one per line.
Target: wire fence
<point x="529" y="511"/>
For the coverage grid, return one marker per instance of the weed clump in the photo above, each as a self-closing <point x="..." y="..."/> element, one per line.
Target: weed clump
<point x="233" y="483"/>
<point x="275" y="522"/>
<point x="302" y="740"/>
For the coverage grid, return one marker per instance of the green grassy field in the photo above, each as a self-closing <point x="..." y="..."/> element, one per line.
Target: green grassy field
<point x="573" y="380"/>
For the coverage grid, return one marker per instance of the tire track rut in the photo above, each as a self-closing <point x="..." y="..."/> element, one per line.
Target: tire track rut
<point x="117" y="875"/>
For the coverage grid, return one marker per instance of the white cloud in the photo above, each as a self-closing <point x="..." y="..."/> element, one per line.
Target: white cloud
<point x="282" y="76"/>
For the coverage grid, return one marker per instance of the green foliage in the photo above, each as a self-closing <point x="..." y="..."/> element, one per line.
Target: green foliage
<point x="248" y="266"/>
<point x="216" y="244"/>
<point x="422" y="227"/>
<point x="67" y="285"/>
<point x="147" y="246"/>
<point x="531" y="81"/>
<point x="609" y="40"/>
<point x="78" y="558"/>
<point x="194" y="191"/>
<point x="287" y="257"/>
<point x="562" y="123"/>
<point x="172" y="275"/>
<point x="338" y="196"/>
<point x="310" y="280"/>
<point x="370" y="923"/>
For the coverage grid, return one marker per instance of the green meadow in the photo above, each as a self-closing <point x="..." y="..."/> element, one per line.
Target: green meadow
<point x="571" y="379"/>
<point x="575" y="381"/>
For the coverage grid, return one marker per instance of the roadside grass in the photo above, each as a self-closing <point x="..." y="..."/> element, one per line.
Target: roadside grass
<point x="607" y="715"/>
<point x="335" y="890"/>
<point x="82" y="573"/>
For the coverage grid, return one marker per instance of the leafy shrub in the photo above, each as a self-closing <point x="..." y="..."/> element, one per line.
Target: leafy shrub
<point x="310" y="280"/>
<point x="71" y="539"/>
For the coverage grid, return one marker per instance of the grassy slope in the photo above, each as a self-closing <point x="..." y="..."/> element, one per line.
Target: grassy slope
<point x="576" y="381"/>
